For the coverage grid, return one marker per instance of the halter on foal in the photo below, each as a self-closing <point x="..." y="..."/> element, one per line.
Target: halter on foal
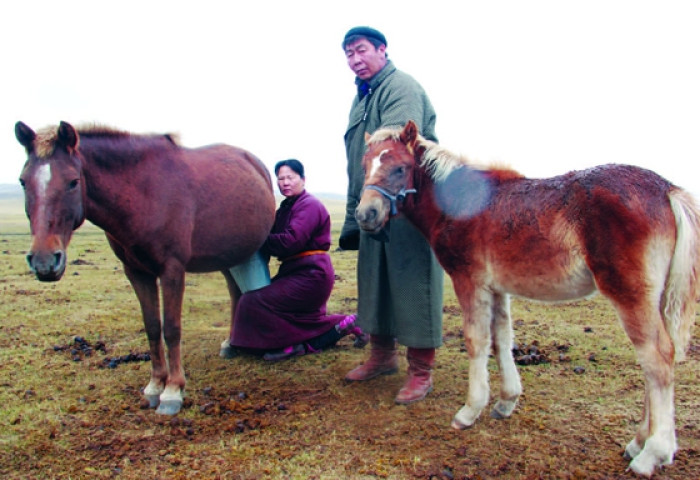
<point x="621" y="230"/>
<point x="165" y="210"/>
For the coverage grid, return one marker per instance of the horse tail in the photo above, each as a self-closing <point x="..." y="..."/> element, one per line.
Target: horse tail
<point x="683" y="283"/>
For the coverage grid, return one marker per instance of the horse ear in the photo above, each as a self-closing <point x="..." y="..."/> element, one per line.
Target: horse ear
<point x="367" y="137"/>
<point x="67" y="136"/>
<point x="409" y="133"/>
<point x="25" y="136"/>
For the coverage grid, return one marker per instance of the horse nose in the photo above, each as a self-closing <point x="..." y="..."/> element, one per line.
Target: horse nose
<point x="47" y="267"/>
<point x="366" y="215"/>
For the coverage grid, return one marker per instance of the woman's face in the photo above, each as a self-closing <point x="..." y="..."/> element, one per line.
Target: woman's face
<point x="289" y="182"/>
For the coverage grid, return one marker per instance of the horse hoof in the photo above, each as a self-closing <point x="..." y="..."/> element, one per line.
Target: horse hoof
<point x="644" y="472"/>
<point x="632" y="450"/>
<point x="153" y="400"/>
<point x="495" y="414"/>
<point x="457" y="425"/>
<point x="169" y="407"/>
<point x="503" y="409"/>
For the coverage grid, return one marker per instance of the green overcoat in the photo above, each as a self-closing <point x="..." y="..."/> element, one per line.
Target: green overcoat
<point x="400" y="282"/>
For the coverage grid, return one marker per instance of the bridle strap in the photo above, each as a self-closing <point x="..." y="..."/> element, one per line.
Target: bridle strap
<point x="393" y="199"/>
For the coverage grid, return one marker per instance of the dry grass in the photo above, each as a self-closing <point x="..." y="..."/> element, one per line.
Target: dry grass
<point x="245" y="419"/>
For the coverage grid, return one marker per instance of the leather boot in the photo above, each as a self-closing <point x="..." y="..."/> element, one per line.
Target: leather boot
<point x="420" y="381"/>
<point x="383" y="360"/>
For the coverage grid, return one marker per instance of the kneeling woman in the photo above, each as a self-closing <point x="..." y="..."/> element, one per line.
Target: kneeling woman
<point x="288" y="317"/>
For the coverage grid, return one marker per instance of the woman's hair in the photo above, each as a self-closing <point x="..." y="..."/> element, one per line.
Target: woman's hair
<point x="292" y="163"/>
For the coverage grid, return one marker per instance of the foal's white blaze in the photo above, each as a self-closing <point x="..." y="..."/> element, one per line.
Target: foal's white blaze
<point x="376" y="163"/>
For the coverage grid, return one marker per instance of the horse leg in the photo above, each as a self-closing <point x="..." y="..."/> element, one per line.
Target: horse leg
<point x="655" y="441"/>
<point x="477" y="307"/>
<point x="146" y="288"/>
<point x="172" y="285"/>
<point x="503" y="347"/>
<point x="635" y="446"/>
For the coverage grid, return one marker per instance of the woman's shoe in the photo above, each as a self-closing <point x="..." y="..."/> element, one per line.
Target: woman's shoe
<point x="361" y="338"/>
<point x="291" y="351"/>
<point x="227" y="351"/>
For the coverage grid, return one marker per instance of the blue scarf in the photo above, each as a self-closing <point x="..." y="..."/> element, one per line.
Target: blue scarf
<point x="363" y="88"/>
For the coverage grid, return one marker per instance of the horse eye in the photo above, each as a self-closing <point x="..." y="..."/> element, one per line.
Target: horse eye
<point x="21" y="182"/>
<point x="72" y="185"/>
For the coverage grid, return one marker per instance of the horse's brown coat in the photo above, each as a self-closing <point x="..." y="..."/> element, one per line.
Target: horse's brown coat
<point x="165" y="209"/>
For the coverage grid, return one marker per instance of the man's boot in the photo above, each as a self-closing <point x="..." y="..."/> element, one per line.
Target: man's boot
<point x="383" y="360"/>
<point x="420" y="381"/>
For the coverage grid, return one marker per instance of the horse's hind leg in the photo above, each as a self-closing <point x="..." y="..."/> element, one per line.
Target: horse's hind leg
<point x="635" y="446"/>
<point x="502" y="329"/>
<point x="655" y="441"/>
<point x="477" y="308"/>
<point x="146" y="288"/>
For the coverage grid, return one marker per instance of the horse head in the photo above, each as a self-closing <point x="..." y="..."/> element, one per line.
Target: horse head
<point x="389" y="163"/>
<point x="54" y="195"/>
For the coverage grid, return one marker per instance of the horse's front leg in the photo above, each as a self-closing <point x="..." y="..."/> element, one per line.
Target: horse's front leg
<point x="146" y="287"/>
<point x="477" y="337"/>
<point x="502" y="329"/>
<point x="172" y="285"/>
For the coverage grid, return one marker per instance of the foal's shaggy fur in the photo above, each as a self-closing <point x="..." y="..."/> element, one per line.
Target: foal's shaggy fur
<point x="620" y="230"/>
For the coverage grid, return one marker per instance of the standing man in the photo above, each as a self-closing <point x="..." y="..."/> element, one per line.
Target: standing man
<point x="400" y="283"/>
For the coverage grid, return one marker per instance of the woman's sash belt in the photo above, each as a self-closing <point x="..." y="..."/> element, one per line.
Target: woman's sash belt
<point x="304" y="254"/>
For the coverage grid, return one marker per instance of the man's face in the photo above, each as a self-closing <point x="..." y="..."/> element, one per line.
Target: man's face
<point x="364" y="59"/>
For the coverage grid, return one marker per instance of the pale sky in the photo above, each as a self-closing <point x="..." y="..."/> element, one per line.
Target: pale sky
<point x="542" y="86"/>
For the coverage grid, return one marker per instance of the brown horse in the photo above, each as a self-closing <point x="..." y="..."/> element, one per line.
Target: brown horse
<point x="620" y="230"/>
<point x="165" y="209"/>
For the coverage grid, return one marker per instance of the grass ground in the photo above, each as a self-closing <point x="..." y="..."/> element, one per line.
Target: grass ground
<point x="64" y="415"/>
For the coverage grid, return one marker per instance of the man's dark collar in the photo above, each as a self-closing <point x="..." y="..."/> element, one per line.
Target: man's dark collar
<point x="365" y="87"/>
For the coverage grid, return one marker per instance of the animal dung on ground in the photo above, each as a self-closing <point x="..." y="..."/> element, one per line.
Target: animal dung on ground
<point x="530" y="354"/>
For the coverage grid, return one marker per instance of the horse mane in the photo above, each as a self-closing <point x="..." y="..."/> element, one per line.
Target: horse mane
<point x="439" y="162"/>
<point x="46" y="137"/>
<point x="98" y="130"/>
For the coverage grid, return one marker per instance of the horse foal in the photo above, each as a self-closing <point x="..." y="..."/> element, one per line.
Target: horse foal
<point x="621" y="230"/>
